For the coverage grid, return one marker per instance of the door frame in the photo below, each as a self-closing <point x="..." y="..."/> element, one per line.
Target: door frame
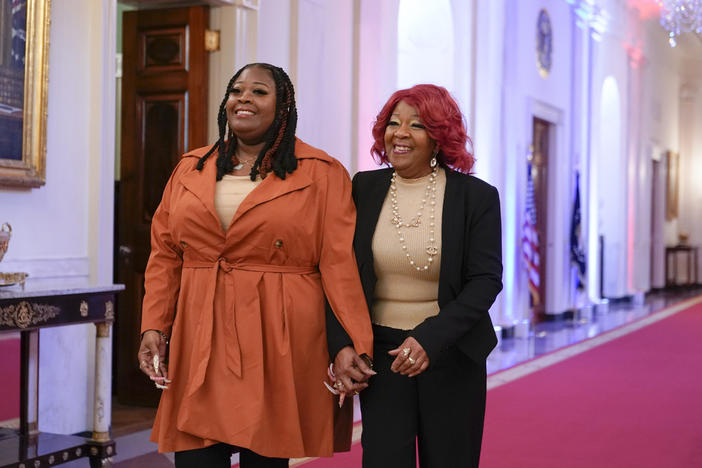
<point x="129" y="250"/>
<point x="559" y="182"/>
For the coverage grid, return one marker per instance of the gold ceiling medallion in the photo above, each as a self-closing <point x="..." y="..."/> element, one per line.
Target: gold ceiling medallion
<point x="544" y="43"/>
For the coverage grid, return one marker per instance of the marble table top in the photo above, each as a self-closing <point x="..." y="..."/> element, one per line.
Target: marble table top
<point x="62" y="288"/>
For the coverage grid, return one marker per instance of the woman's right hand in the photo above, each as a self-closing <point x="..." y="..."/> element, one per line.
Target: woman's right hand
<point x="153" y="344"/>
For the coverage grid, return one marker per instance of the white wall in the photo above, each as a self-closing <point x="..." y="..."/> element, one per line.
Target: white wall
<point x="62" y="232"/>
<point x="349" y="70"/>
<point x="504" y="112"/>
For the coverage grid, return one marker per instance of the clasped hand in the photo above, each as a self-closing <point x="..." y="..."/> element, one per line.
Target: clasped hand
<point x="350" y="373"/>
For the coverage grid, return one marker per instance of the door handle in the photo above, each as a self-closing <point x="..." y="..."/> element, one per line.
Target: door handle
<point x="125" y="254"/>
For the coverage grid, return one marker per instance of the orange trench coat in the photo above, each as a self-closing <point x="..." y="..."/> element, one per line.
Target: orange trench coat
<point x="244" y="308"/>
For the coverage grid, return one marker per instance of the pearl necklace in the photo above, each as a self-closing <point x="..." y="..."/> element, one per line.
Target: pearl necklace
<point x="430" y="196"/>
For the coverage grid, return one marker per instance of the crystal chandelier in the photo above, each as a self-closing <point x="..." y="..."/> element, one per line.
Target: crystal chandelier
<point x="680" y="16"/>
<point x="591" y="15"/>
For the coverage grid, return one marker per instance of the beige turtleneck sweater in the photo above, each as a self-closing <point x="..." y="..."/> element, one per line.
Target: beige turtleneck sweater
<point x="229" y="193"/>
<point x="405" y="297"/>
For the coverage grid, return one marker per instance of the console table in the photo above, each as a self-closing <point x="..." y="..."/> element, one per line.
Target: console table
<point x="27" y="311"/>
<point x="671" y="265"/>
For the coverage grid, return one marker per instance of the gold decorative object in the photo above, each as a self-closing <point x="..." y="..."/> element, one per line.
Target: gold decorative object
<point x="25" y="314"/>
<point x="5" y="235"/>
<point x="211" y="40"/>
<point x="30" y="89"/>
<point x="109" y="310"/>
<point x="9" y="279"/>
<point x="83" y="309"/>
<point x="672" y="185"/>
<point x="102" y="329"/>
<point x="682" y="238"/>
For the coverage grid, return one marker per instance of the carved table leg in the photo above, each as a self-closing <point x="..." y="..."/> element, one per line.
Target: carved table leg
<point x="103" y="396"/>
<point x="29" y="377"/>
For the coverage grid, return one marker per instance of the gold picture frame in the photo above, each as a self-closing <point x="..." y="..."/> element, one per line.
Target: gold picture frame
<point x="26" y="167"/>
<point x="672" y="185"/>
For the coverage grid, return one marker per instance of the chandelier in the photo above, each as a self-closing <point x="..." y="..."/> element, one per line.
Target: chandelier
<point x="591" y="15"/>
<point x="680" y="16"/>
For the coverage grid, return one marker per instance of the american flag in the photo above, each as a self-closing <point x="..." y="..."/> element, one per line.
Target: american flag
<point x="577" y="253"/>
<point x="530" y="241"/>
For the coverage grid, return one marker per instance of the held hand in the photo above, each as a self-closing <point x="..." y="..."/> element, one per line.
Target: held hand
<point x="410" y="358"/>
<point x="152" y="355"/>
<point x="351" y="370"/>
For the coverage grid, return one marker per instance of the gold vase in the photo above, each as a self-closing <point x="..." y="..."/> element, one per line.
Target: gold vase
<point x="5" y="235"/>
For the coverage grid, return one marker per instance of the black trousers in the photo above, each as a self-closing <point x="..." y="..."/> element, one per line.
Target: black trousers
<point x="438" y="414"/>
<point x="219" y="456"/>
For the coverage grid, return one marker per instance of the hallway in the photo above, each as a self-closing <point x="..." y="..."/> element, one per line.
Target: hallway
<point x="547" y="344"/>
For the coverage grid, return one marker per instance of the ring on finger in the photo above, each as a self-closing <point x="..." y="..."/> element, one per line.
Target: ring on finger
<point x="411" y="360"/>
<point x="406" y="352"/>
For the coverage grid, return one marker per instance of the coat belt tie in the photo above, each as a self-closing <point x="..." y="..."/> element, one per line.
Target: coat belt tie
<point x="243" y="303"/>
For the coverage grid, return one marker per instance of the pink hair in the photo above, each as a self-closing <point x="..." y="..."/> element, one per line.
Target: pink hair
<point x="442" y="119"/>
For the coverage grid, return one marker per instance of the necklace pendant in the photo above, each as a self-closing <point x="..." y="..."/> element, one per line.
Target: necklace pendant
<point x="432" y="250"/>
<point x="238" y="166"/>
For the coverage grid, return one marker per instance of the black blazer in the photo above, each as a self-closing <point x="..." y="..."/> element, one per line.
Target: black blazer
<point x="470" y="275"/>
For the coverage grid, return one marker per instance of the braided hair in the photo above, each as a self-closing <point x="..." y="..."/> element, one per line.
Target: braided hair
<point x="278" y="152"/>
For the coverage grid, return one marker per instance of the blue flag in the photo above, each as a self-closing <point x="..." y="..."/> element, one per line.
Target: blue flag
<point x="577" y="254"/>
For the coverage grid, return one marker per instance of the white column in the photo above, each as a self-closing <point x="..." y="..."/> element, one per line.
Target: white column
<point x="238" y="26"/>
<point x="690" y="222"/>
<point x="639" y="185"/>
<point x="103" y="381"/>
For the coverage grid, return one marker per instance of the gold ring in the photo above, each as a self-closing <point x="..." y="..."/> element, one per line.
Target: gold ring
<point x="406" y="351"/>
<point x="338" y="384"/>
<point x="412" y="361"/>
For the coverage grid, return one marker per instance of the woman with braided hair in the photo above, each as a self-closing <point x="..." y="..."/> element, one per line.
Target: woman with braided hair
<point x="252" y="233"/>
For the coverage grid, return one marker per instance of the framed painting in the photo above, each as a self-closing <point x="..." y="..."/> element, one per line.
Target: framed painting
<point x="24" y="55"/>
<point x="672" y="186"/>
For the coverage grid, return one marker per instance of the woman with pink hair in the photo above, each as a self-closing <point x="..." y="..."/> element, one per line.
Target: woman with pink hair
<point x="428" y="248"/>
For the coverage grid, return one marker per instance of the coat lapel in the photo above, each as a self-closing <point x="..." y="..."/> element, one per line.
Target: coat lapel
<point x="370" y="203"/>
<point x="450" y="229"/>
<point x="202" y="185"/>
<point x="271" y="188"/>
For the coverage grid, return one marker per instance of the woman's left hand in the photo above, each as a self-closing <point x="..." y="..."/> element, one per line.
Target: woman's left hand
<point x="410" y="358"/>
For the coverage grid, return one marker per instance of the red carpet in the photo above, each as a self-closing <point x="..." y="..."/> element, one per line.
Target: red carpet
<point x="635" y="401"/>
<point x="9" y="373"/>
